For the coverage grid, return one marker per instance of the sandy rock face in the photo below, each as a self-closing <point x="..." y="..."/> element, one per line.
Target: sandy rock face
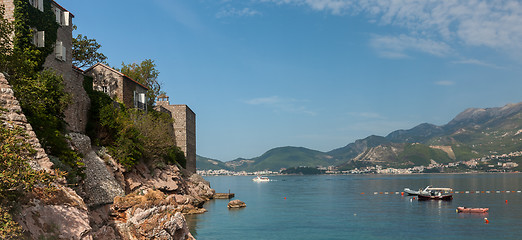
<point x="65" y="216"/>
<point x="153" y="215"/>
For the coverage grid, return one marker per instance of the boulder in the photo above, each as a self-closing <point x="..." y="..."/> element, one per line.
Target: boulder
<point x="236" y="204"/>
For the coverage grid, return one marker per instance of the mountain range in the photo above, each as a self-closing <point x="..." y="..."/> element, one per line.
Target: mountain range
<point x="475" y="132"/>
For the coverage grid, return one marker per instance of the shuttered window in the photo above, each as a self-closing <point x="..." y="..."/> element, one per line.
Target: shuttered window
<point x="58" y="14"/>
<point x="60" y="51"/>
<point x="39" y="38"/>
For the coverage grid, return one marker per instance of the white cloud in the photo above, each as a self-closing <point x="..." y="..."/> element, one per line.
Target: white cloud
<point x="264" y="100"/>
<point x="398" y="46"/>
<point x="445" y="83"/>
<point x="281" y="104"/>
<point x="233" y="12"/>
<point x="367" y="115"/>
<point x="494" y="24"/>
<point x="477" y="62"/>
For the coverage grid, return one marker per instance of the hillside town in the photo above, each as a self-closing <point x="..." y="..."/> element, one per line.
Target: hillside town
<point x="492" y="163"/>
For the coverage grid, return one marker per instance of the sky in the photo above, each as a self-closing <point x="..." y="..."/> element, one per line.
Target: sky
<point x="320" y="74"/>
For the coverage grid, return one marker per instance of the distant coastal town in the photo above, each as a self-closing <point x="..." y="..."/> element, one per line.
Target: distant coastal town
<point x="492" y="163"/>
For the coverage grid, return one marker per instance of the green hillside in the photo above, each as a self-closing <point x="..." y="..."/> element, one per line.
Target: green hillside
<point x="286" y="157"/>
<point x="474" y="133"/>
<point x="203" y="163"/>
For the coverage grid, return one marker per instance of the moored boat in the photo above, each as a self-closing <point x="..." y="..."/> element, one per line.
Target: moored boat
<point x="472" y="210"/>
<point x="437" y="194"/>
<point x="260" y="179"/>
<point x="415" y="193"/>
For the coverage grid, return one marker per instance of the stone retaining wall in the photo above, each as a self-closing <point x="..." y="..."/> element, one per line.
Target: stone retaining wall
<point x="14" y="117"/>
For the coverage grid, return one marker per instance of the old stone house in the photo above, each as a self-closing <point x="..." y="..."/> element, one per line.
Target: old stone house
<point x="106" y="79"/>
<point x="118" y="86"/>
<point x="184" y="128"/>
<point x="60" y="60"/>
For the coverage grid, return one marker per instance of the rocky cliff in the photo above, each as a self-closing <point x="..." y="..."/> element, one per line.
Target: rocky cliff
<point x="111" y="202"/>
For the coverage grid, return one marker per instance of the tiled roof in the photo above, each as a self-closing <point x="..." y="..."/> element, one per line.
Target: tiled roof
<point x="62" y="8"/>
<point x="77" y="69"/>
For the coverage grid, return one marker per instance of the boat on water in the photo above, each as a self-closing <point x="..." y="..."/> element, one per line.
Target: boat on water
<point x="437" y="194"/>
<point x="415" y="193"/>
<point x="472" y="210"/>
<point x="260" y="179"/>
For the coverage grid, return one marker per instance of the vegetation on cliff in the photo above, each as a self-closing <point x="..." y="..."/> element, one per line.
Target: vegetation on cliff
<point x="131" y="135"/>
<point x="17" y="178"/>
<point x="41" y="93"/>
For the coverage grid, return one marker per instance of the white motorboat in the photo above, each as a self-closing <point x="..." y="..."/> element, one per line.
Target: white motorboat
<point x="260" y="179"/>
<point x="420" y="191"/>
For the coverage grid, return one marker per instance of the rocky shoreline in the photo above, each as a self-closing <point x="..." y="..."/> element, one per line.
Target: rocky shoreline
<point x="147" y="202"/>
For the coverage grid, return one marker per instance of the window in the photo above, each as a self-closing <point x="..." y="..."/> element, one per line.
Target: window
<point x="38" y="37"/>
<point x="58" y="14"/>
<point x="62" y="17"/>
<point x="105" y="89"/>
<point x="37" y="4"/>
<point x="65" y="19"/>
<point x="139" y="100"/>
<point x="60" y="51"/>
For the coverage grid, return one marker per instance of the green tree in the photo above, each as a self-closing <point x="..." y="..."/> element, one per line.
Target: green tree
<point x="6" y="32"/>
<point x="146" y="74"/>
<point x="85" y="51"/>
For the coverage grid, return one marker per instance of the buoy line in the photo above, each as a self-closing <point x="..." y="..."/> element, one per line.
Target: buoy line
<point x="455" y="192"/>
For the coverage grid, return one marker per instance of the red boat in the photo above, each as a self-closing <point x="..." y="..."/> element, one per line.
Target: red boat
<point x="472" y="210"/>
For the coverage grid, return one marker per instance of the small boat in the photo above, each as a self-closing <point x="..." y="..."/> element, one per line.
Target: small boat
<point x="260" y="179"/>
<point x="415" y="193"/>
<point x="472" y="210"/>
<point x="437" y="194"/>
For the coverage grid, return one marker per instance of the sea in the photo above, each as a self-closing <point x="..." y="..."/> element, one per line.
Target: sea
<point x="362" y="207"/>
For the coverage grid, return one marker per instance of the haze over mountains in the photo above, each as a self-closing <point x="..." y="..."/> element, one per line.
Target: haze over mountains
<point x="473" y="133"/>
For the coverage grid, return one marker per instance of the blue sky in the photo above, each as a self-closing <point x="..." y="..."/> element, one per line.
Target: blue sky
<point x="319" y="74"/>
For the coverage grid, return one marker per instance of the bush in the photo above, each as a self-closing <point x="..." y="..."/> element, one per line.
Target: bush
<point x="131" y="135"/>
<point x="16" y="177"/>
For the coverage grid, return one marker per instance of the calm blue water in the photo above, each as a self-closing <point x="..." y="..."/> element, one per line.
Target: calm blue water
<point x="332" y="207"/>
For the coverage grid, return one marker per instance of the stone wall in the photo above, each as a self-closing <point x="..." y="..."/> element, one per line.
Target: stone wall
<point x="14" y="117"/>
<point x="9" y="9"/>
<point x="185" y="132"/>
<point x="64" y="68"/>
<point x="117" y="85"/>
<point x="129" y="87"/>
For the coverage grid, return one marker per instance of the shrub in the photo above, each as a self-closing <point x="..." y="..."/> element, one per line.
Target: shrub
<point x="16" y="177"/>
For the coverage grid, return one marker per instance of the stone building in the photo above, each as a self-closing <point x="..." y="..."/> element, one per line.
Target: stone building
<point x="184" y="128"/>
<point x="60" y="60"/>
<point x="118" y="85"/>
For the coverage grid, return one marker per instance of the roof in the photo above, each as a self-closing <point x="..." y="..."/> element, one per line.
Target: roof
<point x="115" y="71"/>
<point x="77" y="69"/>
<point x="62" y="8"/>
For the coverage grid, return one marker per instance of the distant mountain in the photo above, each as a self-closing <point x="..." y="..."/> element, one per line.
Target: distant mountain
<point x="283" y="157"/>
<point x="475" y="132"/>
<point x="210" y="164"/>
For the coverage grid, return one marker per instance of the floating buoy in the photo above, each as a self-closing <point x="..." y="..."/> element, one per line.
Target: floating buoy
<point x="506" y="201"/>
<point x="413" y="197"/>
<point x="486" y="221"/>
<point x="362" y="193"/>
<point x="402" y="193"/>
<point x="285" y="197"/>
